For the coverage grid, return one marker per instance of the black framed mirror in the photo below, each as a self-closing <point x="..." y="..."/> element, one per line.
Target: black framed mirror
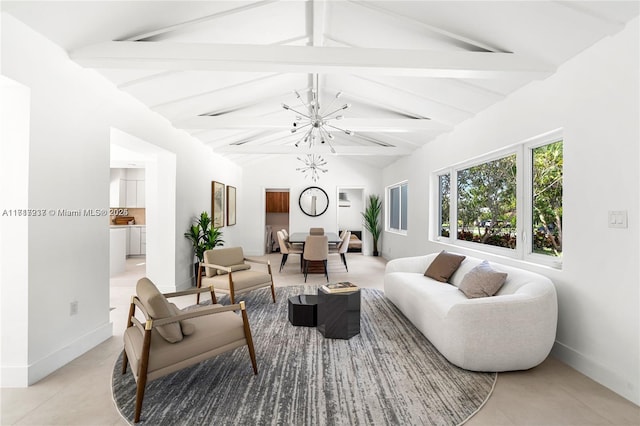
<point x="313" y="201"/>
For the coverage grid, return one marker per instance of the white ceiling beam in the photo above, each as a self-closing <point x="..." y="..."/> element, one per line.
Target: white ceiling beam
<point x="321" y="149"/>
<point x="187" y="24"/>
<point x="307" y="59"/>
<point x="388" y="125"/>
<point x="319" y="14"/>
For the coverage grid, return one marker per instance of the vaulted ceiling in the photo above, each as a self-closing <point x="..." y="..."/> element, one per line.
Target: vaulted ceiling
<point x="410" y="70"/>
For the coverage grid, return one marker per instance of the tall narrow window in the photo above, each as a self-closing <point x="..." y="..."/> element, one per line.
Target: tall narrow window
<point x="547" y="166"/>
<point x="444" y="197"/>
<point x="486" y="204"/>
<point x="397" y="196"/>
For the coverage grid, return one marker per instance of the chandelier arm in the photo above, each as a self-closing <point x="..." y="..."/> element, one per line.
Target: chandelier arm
<point x="298" y="112"/>
<point x="333" y="112"/>
<point x="337" y="128"/>
<point x="302" y="127"/>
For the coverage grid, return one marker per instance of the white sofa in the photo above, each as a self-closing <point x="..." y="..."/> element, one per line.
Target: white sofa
<point x="513" y="330"/>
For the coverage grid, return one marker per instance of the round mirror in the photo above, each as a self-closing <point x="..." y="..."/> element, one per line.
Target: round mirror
<point x="313" y="201"/>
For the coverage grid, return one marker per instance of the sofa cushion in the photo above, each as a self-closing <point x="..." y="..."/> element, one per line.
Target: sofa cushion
<point x="482" y="281"/>
<point x="158" y="307"/>
<point x="443" y="266"/>
<point x="234" y="268"/>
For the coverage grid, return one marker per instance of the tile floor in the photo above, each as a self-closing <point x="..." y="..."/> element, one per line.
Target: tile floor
<point x="80" y="392"/>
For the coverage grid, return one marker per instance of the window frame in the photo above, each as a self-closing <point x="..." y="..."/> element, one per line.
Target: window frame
<point x="387" y="222"/>
<point x="524" y="203"/>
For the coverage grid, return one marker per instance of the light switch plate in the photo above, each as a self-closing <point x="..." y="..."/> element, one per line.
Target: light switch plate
<point x="618" y="219"/>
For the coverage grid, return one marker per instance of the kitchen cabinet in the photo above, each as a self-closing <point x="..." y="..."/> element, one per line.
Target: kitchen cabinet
<point x="136" y="240"/>
<point x="277" y="202"/>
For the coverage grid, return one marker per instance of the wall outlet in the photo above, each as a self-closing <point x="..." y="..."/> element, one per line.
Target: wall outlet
<point x="73" y="308"/>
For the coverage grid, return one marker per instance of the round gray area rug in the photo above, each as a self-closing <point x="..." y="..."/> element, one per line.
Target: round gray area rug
<point x="388" y="374"/>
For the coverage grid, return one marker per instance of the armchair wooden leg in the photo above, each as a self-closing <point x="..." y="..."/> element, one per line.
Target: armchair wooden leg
<point x="214" y="299"/>
<point x="273" y="292"/>
<point x="199" y="283"/>
<point x="124" y="362"/>
<point x="326" y="271"/>
<point x="144" y="366"/>
<point x="247" y="335"/>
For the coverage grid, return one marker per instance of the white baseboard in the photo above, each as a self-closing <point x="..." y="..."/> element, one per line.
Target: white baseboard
<point x="23" y="376"/>
<point x="622" y="385"/>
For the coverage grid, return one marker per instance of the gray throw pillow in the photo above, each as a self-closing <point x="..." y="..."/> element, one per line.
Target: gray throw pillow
<point x="482" y="281"/>
<point x="443" y="266"/>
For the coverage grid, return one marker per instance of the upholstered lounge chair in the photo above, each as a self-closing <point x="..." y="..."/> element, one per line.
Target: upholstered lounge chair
<point x="170" y="339"/>
<point x="227" y="270"/>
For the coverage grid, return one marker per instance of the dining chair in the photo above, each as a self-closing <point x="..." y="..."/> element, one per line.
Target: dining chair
<point x="286" y="249"/>
<point x="342" y="248"/>
<point x="316" y="248"/>
<point x="316" y="231"/>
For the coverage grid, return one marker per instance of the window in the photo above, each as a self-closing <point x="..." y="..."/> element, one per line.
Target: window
<point x="397" y="208"/>
<point x="546" y="199"/>
<point x="444" y="191"/>
<point x="511" y="200"/>
<point x="487" y="203"/>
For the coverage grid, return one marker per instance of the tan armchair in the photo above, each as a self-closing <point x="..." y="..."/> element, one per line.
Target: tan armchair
<point x="171" y="339"/>
<point x="227" y="270"/>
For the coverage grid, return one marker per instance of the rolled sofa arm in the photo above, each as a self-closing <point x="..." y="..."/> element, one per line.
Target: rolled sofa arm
<point x="501" y="333"/>
<point x="416" y="264"/>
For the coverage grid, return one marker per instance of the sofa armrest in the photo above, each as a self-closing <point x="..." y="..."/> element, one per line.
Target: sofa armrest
<point x="514" y="331"/>
<point x="416" y="264"/>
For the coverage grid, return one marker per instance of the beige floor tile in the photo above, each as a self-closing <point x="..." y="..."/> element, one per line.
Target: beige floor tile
<point x="551" y="394"/>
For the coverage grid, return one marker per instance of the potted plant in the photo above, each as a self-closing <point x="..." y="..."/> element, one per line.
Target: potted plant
<point x="203" y="237"/>
<point x="371" y="216"/>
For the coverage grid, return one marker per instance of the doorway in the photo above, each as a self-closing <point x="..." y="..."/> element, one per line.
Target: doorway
<point x="350" y="207"/>
<point x="277" y="202"/>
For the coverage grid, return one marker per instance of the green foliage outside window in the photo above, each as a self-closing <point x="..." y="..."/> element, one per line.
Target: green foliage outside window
<point x="547" y="199"/>
<point x="487" y="203"/>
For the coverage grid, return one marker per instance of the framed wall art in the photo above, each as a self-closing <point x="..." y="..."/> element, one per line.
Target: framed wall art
<point x="231" y="205"/>
<point x="217" y="204"/>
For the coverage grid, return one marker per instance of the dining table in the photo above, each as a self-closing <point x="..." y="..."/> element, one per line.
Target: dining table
<point x="301" y="237"/>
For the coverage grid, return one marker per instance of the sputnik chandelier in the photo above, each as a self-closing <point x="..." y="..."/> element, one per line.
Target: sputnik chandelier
<point x="315" y="122"/>
<point x="313" y="166"/>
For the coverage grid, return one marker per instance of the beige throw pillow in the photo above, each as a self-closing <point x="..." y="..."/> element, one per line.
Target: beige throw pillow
<point x="158" y="307"/>
<point x="187" y="327"/>
<point x="443" y="266"/>
<point x="482" y="281"/>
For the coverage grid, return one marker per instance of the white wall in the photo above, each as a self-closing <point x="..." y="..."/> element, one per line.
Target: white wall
<point x="71" y="115"/>
<point x="595" y="98"/>
<point x="14" y="244"/>
<point x="280" y="172"/>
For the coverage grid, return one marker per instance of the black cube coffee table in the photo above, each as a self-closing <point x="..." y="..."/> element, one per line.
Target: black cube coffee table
<point x="338" y="314"/>
<point x="303" y="310"/>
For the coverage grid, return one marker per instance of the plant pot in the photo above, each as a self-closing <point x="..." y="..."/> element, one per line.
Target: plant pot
<point x="375" y="253"/>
